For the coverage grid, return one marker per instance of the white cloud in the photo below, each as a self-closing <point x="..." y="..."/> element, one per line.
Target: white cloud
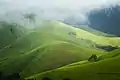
<point x="55" y="9"/>
<point x="68" y="4"/>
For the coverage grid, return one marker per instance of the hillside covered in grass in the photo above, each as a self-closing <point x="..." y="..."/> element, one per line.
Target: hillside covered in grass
<point x="102" y="70"/>
<point x="47" y="47"/>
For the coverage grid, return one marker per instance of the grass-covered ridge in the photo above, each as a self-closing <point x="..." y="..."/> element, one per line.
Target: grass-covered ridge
<point x="49" y="46"/>
<point x="102" y="70"/>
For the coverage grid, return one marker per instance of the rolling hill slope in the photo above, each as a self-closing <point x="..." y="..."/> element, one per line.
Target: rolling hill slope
<point x="9" y="33"/>
<point x="50" y="46"/>
<point x="91" y="30"/>
<point x="102" y="70"/>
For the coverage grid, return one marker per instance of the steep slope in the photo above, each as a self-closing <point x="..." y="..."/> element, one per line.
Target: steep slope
<point x="35" y="51"/>
<point x="9" y="33"/>
<point x="102" y="70"/>
<point x="110" y="55"/>
<point x="86" y="27"/>
<point x="80" y="34"/>
<point x="94" y="31"/>
<point x="46" y="41"/>
<point x="62" y="53"/>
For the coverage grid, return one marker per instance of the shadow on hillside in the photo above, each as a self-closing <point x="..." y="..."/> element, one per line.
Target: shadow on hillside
<point x="14" y="76"/>
<point x="107" y="48"/>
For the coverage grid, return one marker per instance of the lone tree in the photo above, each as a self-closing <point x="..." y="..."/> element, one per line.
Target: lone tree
<point x="93" y="58"/>
<point x="13" y="32"/>
<point x="46" y="78"/>
<point x="11" y="29"/>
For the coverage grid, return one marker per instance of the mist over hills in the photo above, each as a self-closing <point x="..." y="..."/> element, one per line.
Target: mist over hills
<point x="106" y="19"/>
<point x="71" y="12"/>
<point x="39" y="40"/>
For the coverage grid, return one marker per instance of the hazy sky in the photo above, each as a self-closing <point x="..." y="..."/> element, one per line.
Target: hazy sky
<point x="69" y="4"/>
<point x="54" y="9"/>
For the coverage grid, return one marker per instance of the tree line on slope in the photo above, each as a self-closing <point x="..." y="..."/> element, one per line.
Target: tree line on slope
<point x="14" y="76"/>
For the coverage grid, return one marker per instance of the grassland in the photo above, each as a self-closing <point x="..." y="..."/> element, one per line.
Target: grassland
<point x="102" y="70"/>
<point x="49" y="46"/>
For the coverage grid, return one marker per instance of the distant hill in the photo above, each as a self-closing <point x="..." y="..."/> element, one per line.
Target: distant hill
<point x="93" y="31"/>
<point x="86" y="27"/>
<point x="106" y="19"/>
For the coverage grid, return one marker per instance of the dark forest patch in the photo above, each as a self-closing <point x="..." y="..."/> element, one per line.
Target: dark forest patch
<point x="107" y="48"/>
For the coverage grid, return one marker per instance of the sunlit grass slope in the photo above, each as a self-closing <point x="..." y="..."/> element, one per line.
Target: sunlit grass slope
<point x="64" y="29"/>
<point x="57" y="55"/>
<point x="102" y="70"/>
<point x="110" y="54"/>
<point x="48" y="47"/>
<point x="93" y="31"/>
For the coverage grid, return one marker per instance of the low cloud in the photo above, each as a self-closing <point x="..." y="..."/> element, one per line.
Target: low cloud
<point x="12" y="10"/>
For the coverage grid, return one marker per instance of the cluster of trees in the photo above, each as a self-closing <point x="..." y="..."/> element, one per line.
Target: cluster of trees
<point x="93" y="58"/>
<point x="107" y="48"/>
<point x="106" y="19"/>
<point x="14" y="76"/>
<point x="47" y="78"/>
<point x="72" y="33"/>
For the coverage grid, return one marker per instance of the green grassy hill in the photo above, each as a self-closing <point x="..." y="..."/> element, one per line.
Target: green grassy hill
<point x="110" y="55"/>
<point x="102" y="70"/>
<point x="48" y="47"/>
<point x="9" y="33"/>
<point x="93" y="31"/>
